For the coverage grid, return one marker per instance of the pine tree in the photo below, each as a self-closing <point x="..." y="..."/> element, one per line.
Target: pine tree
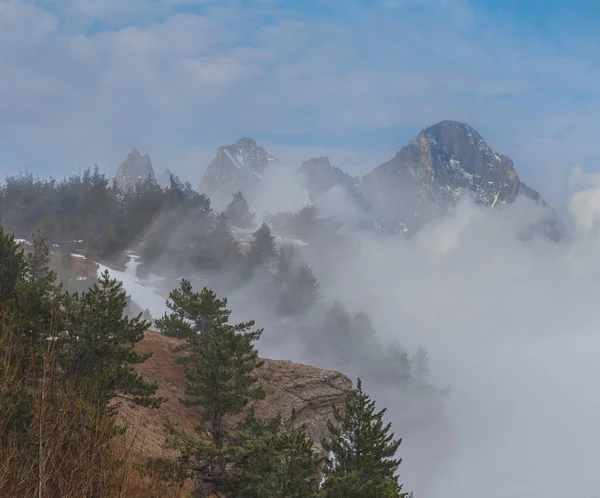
<point x="12" y="267"/>
<point x="220" y="374"/>
<point x="297" y="286"/>
<point x="397" y="365"/>
<point x="222" y="358"/>
<point x="192" y="313"/>
<point x="238" y="212"/>
<point x="39" y="297"/>
<point x="420" y="365"/>
<point x="223" y="247"/>
<point x="361" y="452"/>
<point x="262" y="248"/>
<point x="98" y="343"/>
<point x="278" y="462"/>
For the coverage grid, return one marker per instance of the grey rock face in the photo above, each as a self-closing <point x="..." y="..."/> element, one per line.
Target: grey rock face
<point x="236" y="166"/>
<point x="134" y="169"/>
<point x="320" y="176"/>
<point x="442" y="164"/>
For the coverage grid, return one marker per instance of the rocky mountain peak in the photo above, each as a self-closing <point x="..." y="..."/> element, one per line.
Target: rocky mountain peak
<point x="439" y="166"/>
<point x="236" y="166"/>
<point x="246" y="142"/>
<point x="321" y="175"/>
<point x="134" y="169"/>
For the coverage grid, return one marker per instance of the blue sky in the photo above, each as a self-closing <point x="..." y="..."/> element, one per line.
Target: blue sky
<point x="84" y="81"/>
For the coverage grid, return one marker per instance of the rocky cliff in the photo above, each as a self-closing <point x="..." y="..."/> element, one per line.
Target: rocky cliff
<point x="135" y="168"/>
<point x="235" y="167"/>
<point x="320" y="176"/>
<point x="310" y="390"/>
<point x="442" y="164"/>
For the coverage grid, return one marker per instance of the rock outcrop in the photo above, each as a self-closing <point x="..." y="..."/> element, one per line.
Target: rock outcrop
<point x="134" y="169"/>
<point x="320" y="176"/>
<point x="236" y="167"/>
<point x="309" y="390"/>
<point x="442" y="164"/>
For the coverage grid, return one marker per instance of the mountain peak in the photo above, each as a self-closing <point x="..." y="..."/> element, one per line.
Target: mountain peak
<point x="134" y="169"/>
<point x="246" y="142"/>
<point x="317" y="162"/>
<point x="236" y="166"/>
<point x="440" y="165"/>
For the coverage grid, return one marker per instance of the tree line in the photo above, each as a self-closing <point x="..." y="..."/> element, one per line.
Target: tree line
<point x="67" y="362"/>
<point x="92" y="209"/>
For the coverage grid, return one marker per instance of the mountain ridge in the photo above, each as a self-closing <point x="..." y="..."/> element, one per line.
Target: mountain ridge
<point x="134" y="169"/>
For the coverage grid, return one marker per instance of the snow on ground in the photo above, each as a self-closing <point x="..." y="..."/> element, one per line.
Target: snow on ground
<point x="78" y="256"/>
<point x="290" y="241"/>
<point x="142" y="292"/>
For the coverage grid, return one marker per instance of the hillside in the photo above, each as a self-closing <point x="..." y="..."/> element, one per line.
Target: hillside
<point x="310" y="390"/>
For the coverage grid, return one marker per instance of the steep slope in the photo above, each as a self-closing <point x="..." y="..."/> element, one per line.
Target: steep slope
<point x="135" y="168"/>
<point x="320" y="176"/>
<point x="309" y="390"/>
<point x="442" y="164"/>
<point x="236" y="167"/>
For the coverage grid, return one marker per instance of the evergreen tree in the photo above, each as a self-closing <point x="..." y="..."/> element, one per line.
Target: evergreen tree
<point x="262" y="247"/>
<point x="238" y="212"/>
<point x="220" y="374"/>
<point x="420" y="365"/>
<point x="12" y="268"/>
<point x="192" y="313"/>
<point x="98" y="343"/>
<point x="396" y="365"/>
<point x="224" y="249"/>
<point x="39" y="297"/>
<point x="278" y="462"/>
<point x="222" y="358"/>
<point x="361" y="452"/>
<point x="297" y="286"/>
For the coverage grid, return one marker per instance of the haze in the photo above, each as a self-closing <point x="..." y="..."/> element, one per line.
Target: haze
<point x="510" y="325"/>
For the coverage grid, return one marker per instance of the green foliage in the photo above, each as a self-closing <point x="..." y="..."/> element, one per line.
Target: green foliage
<point x="238" y="212"/>
<point x="420" y="365"/>
<point x="279" y="461"/>
<point x="99" y="339"/>
<point x="39" y="297"/>
<point x="297" y="286"/>
<point x="12" y="267"/>
<point x="63" y="360"/>
<point x="89" y="207"/>
<point x="304" y="223"/>
<point x="220" y="250"/>
<point x="362" y="452"/>
<point x="192" y="313"/>
<point x="220" y="374"/>
<point x="262" y="247"/>
<point x="222" y="358"/>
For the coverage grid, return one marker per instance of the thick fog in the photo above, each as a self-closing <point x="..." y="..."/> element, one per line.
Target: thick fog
<point x="510" y="325"/>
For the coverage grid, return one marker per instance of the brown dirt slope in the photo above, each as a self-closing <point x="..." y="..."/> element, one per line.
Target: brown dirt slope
<point x="310" y="390"/>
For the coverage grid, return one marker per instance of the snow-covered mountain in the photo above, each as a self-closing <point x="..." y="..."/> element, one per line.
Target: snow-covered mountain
<point x="235" y="167"/>
<point x="135" y="168"/>
<point x="422" y="181"/>
<point x="443" y="163"/>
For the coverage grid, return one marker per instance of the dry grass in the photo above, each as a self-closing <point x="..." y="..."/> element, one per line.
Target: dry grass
<point x="309" y="390"/>
<point x="71" y="452"/>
